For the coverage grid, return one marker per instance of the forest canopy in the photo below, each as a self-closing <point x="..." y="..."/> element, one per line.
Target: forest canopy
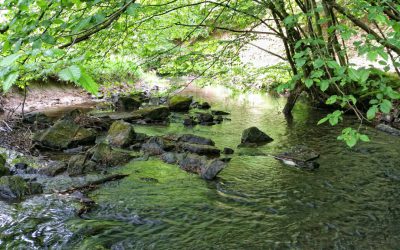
<point x="92" y="42"/>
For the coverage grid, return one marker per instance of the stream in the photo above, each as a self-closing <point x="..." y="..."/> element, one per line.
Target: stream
<point x="257" y="202"/>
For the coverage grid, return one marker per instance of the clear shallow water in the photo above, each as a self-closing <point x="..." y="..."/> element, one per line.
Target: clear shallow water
<point x="351" y="202"/>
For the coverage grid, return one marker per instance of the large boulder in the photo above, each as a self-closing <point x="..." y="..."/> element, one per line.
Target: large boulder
<point x="16" y="188"/>
<point x="121" y="134"/>
<point x="254" y="136"/>
<point x="200" y="149"/>
<point x="128" y="103"/>
<point x="179" y="103"/>
<point x="64" y="134"/>
<point x="212" y="169"/>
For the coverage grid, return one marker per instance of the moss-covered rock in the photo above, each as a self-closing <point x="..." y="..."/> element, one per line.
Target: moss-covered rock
<point x="105" y="155"/>
<point x="128" y="103"/>
<point x="180" y="103"/>
<point x="254" y="135"/>
<point x="2" y="160"/>
<point x="121" y="134"/>
<point x="15" y="187"/>
<point x="64" y="134"/>
<point x="200" y="149"/>
<point x="79" y="165"/>
<point x="157" y="113"/>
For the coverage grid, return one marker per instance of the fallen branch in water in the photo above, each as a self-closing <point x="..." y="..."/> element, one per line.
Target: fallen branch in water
<point x="88" y="204"/>
<point x="93" y="184"/>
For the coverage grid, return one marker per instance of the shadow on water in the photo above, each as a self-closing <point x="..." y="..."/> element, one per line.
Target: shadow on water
<point x="256" y="203"/>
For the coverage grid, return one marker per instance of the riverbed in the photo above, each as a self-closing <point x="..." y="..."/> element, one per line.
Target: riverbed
<point x="257" y="202"/>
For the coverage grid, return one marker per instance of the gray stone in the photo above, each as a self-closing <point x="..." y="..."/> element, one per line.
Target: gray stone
<point x="254" y="135"/>
<point x="300" y="153"/>
<point x="80" y="164"/>
<point x="128" y="103"/>
<point x="388" y="129"/>
<point x="228" y="151"/>
<point x="157" y="146"/>
<point x="121" y="134"/>
<point x="200" y="149"/>
<point x="212" y="169"/>
<point x="193" y="163"/>
<point x="194" y="139"/>
<point x="53" y="168"/>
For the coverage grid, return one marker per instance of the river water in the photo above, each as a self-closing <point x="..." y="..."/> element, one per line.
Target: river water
<point x="350" y="202"/>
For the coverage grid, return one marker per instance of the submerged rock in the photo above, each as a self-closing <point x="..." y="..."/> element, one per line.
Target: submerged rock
<point x="219" y="112"/>
<point x="121" y="134"/>
<point x="189" y="121"/>
<point x="388" y="129"/>
<point x="301" y="157"/>
<point x="64" y="134"/>
<point x="195" y="139"/>
<point x="205" y="118"/>
<point x="212" y="169"/>
<point x="180" y="103"/>
<point x="16" y="188"/>
<point x="254" y="135"/>
<point x="204" y="105"/>
<point x="207" y="169"/>
<point x="200" y="149"/>
<point x="228" y="151"/>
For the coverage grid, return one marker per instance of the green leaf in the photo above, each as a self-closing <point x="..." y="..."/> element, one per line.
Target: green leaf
<point x="372" y="55"/>
<point x="72" y="73"/>
<point x="364" y="138"/>
<point x="9" y="81"/>
<point x="372" y="112"/>
<point x="8" y="60"/>
<point x="353" y="74"/>
<point x="323" y="120"/>
<point x="331" y="100"/>
<point x="88" y="83"/>
<point x="386" y="106"/>
<point x="324" y="85"/>
<point x="308" y="82"/>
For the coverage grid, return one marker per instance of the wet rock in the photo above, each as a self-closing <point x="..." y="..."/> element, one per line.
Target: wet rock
<point x="121" y="134"/>
<point x="16" y="188"/>
<point x="128" y="103"/>
<point x="64" y="134"/>
<point x="158" y="113"/>
<point x="189" y="121"/>
<point x="228" y="151"/>
<point x="204" y="105"/>
<point x="212" y="169"/>
<point x="388" y="129"/>
<point x="193" y="163"/>
<point x="125" y="116"/>
<point x="254" y="135"/>
<point x="53" y="168"/>
<point x="141" y="137"/>
<point x="36" y="117"/>
<point x="79" y="165"/>
<point x="74" y="151"/>
<point x="171" y="157"/>
<point x="219" y="112"/>
<point x="105" y="155"/>
<point x="157" y="146"/>
<point x="200" y="149"/>
<point x="300" y="153"/>
<point x="194" y="139"/>
<point x="300" y="156"/>
<point x="205" y="118"/>
<point x="219" y="119"/>
<point x="180" y="103"/>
